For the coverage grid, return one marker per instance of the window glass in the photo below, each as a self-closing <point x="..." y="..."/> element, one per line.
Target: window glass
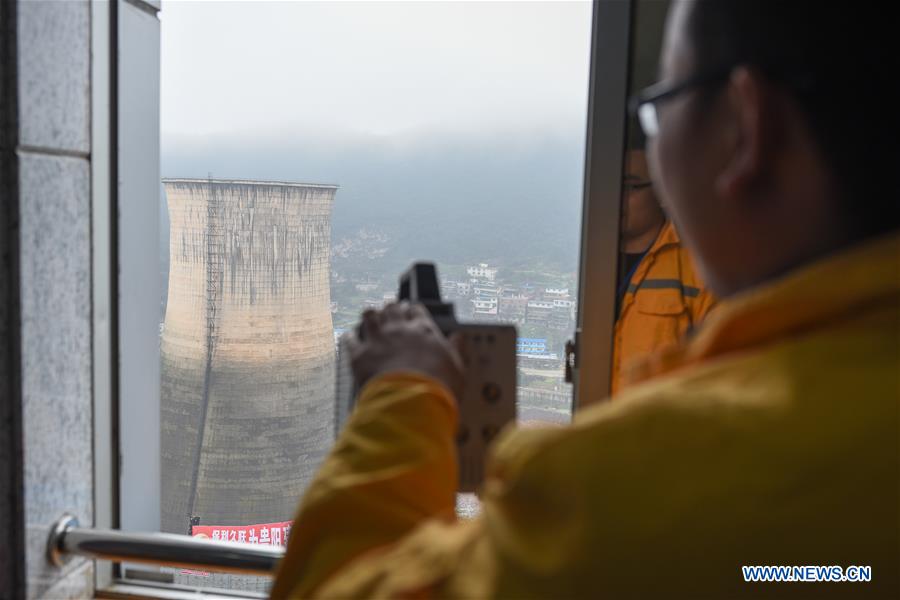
<point x="310" y="153"/>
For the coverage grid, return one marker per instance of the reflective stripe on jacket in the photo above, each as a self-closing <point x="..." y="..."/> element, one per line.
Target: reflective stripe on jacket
<point x="664" y="299"/>
<point x="770" y="438"/>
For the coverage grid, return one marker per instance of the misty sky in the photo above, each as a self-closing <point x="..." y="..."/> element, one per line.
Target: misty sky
<point x="456" y="129"/>
<point x="271" y="69"/>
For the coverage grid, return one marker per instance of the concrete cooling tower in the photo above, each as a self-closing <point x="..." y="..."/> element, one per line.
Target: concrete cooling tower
<point x="247" y="400"/>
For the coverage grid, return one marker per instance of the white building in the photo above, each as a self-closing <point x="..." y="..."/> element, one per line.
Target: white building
<point x="485" y="307"/>
<point x="482" y="271"/>
<point x="485" y="290"/>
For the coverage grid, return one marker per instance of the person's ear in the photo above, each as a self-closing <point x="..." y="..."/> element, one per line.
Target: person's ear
<point x="749" y="133"/>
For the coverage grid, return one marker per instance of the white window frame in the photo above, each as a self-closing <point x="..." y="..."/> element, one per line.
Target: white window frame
<point x="604" y="150"/>
<point x="103" y="282"/>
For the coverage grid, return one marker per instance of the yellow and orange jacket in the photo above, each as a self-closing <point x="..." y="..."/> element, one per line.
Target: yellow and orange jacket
<point x="769" y="438"/>
<point x="663" y="301"/>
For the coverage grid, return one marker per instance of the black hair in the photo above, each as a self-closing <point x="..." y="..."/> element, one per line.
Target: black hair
<point x="636" y="139"/>
<point x="839" y="60"/>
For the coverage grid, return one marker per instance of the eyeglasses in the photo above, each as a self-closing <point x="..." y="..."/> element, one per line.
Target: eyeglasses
<point x="632" y="185"/>
<point x="644" y="103"/>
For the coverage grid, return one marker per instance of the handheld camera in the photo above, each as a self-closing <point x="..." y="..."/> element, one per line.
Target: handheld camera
<point x="488" y="401"/>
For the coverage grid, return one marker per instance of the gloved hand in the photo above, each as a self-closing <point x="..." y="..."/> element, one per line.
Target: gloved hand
<point x="404" y="337"/>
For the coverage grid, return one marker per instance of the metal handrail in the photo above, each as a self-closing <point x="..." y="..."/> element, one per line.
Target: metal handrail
<point x="67" y="539"/>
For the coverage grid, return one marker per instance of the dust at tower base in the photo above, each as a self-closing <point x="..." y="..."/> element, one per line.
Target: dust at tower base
<point x="247" y="350"/>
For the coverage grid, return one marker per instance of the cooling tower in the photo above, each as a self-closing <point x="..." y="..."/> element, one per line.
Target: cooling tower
<point x="247" y="400"/>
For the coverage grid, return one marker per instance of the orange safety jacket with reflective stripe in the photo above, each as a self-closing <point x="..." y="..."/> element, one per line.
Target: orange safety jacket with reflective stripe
<point x="664" y="300"/>
<point x="769" y="438"/>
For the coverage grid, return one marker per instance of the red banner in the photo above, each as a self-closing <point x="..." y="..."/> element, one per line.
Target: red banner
<point x="271" y="534"/>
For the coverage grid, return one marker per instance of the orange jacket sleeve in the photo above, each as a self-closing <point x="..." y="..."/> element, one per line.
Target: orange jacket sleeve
<point x="400" y="437"/>
<point x="702" y="305"/>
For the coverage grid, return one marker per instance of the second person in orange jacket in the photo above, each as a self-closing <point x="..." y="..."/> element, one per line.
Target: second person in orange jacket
<point x="660" y="296"/>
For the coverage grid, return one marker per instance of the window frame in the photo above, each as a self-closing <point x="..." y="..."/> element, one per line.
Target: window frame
<point x="611" y="33"/>
<point x="104" y="281"/>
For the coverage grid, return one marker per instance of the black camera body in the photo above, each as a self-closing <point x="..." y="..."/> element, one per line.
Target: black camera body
<point x="488" y="401"/>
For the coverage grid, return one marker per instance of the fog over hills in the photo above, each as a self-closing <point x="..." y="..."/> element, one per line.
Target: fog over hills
<point x="513" y="199"/>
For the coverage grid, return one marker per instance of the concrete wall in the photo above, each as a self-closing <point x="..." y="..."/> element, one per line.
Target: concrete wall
<point x="247" y="350"/>
<point x="54" y="237"/>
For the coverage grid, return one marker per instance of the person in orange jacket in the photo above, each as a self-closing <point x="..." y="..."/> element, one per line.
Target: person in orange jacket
<point x="770" y="437"/>
<point x="660" y="296"/>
